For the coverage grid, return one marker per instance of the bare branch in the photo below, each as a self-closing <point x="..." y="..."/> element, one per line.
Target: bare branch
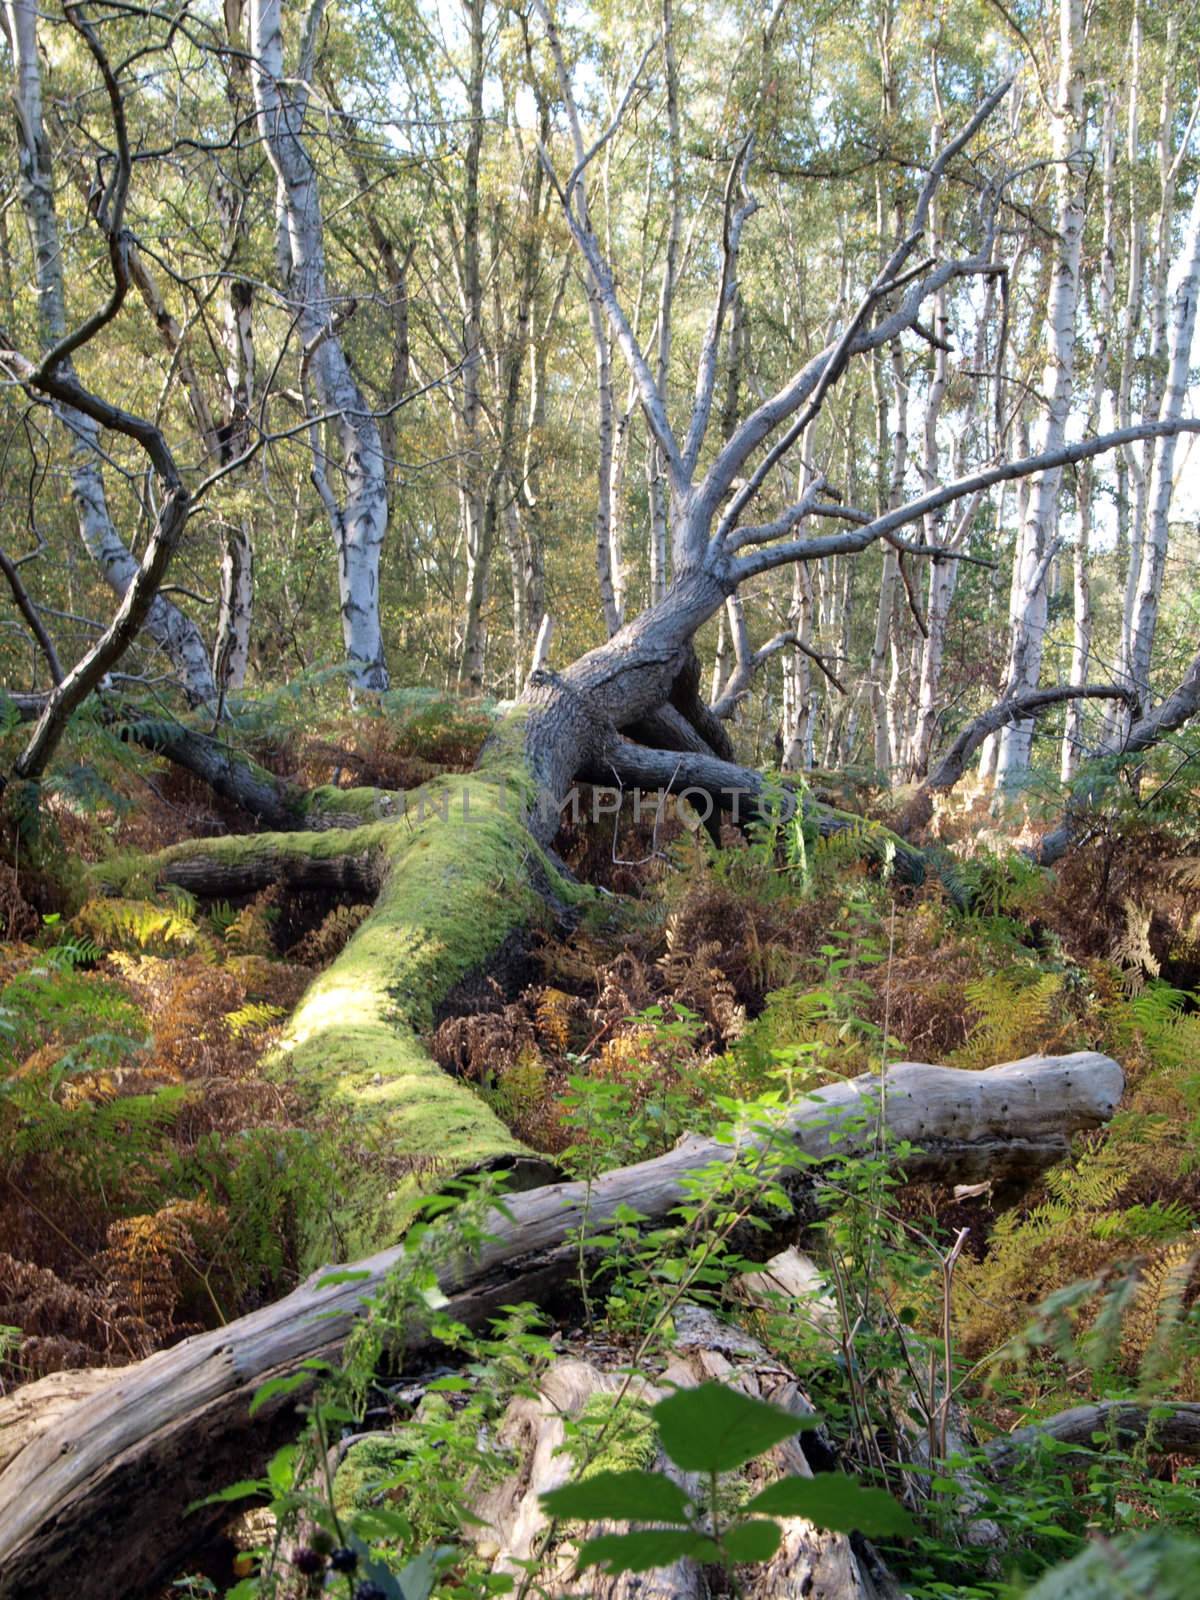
<point x="575" y="212"/>
<point x="818" y="376"/>
<point x="733" y="221"/>
<point x="880" y="527"/>
<point x="30" y="612"/>
<point x="1016" y="708"/>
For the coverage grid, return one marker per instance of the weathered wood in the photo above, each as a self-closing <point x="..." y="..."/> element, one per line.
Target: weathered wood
<point x="810" y="1562"/>
<point x="33" y="1407"/>
<point x="93" y="1503"/>
<point x="534" y="1428"/>
<point x="1173" y="1429"/>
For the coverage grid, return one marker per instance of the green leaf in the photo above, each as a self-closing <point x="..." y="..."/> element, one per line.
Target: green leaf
<point x="832" y="1500"/>
<point x="274" y="1386"/>
<point x="752" y="1541"/>
<point x="419" y="1576"/>
<point x="715" y="1428"/>
<point x="236" y="1491"/>
<point x="639" y="1552"/>
<point x="1151" y="1566"/>
<point x="380" y="1525"/>
<point x="281" y="1469"/>
<point x="619" y="1497"/>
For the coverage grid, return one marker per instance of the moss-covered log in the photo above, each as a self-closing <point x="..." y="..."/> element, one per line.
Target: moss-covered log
<point x="93" y="1502"/>
<point x="453" y="877"/>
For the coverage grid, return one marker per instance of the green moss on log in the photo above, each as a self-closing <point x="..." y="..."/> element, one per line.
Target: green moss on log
<point x="459" y="873"/>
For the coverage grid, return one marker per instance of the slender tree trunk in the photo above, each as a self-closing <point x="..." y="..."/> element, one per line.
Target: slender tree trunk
<point x="1081" y="641"/>
<point x="472" y="493"/>
<point x="885" y="611"/>
<point x="174" y="632"/>
<point x="798" y="679"/>
<point x="1182" y="332"/>
<point x="1038" y="531"/>
<point x="655" y="475"/>
<point x="358" y="517"/>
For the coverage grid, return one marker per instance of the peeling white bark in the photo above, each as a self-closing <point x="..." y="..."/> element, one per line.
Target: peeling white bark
<point x="359" y="517"/>
<point x="166" y="624"/>
<point x="1039" y="528"/>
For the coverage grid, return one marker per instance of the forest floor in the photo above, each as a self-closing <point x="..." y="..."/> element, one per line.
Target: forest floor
<point x="144" y="1189"/>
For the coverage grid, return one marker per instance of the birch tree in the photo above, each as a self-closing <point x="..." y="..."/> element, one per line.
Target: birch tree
<point x="170" y="628"/>
<point x="1038" y="533"/>
<point x="358" y="515"/>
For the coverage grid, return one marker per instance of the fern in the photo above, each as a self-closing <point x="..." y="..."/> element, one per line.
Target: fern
<point x="83" y="789"/>
<point x="1132" y="948"/>
<point x="221" y="917"/>
<point x="136" y="925"/>
<point x="1154" y="1326"/>
<point x="250" y="931"/>
<point x="75" y="952"/>
<point x="252" y="1016"/>
<point x="46" y="1001"/>
<point x="1015" y="1012"/>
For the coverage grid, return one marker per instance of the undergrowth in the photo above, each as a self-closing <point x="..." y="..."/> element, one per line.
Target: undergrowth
<point x="149" y="1173"/>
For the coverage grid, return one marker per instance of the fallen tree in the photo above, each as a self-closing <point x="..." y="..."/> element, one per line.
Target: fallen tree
<point x="93" y="1499"/>
<point x="810" y="1564"/>
<point x="463" y="868"/>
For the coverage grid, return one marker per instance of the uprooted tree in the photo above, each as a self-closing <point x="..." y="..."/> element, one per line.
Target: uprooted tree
<point x="461" y="868"/>
<point x="464" y="865"/>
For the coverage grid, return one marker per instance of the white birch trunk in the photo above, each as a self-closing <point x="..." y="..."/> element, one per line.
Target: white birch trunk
<point x="880" y="696"/>
<point x="1182" y="332"/>
<point x="231" y="656"/>
<point x="655" y="473"/>
<point x="231" y="652"/>
<point x="175" y="633"/>
<point x="1039" y="529"/>
<point x="942" y="573"/>
<point x="359" y="518"/>
<point x="471" y="492"/>
<point x="798" y="678"/>
<point x="1081" y="640"/>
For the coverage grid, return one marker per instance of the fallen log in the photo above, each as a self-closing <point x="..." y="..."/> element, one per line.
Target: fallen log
<point x="514" y="1529"/>
<point x="452" y="880"/>
<point x="94" y="1502"/>
<point x="1171" y="1427"/>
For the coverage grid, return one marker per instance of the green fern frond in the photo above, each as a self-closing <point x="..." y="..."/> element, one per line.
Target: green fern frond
<point x="255" y="1014"/>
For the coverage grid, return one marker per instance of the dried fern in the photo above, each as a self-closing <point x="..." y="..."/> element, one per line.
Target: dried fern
<point x="1132" y="948"/>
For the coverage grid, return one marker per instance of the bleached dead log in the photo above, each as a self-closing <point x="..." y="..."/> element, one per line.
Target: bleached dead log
<point x="1172" y="1429"/>
<point x="33" y="1407"/>
<point x="94" y="1502"/>
<point x="810" y="1562"/>
<point x="793" y="1281"/>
